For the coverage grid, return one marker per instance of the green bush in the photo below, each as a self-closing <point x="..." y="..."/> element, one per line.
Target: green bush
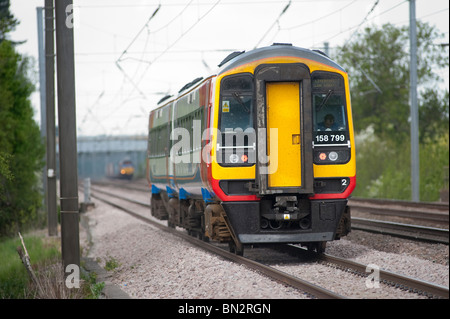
<point x="384" y="168"/>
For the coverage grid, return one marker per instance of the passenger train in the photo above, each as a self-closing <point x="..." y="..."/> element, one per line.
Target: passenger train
<point x="123" y="169"/>
<point x="260" y="152"/>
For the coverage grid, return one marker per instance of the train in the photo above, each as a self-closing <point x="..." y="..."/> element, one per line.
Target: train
<point x="122" y="170"/>
<point x="260" y="152"/>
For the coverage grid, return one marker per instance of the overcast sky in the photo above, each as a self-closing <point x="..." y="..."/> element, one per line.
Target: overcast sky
<point x="188" y="38"/>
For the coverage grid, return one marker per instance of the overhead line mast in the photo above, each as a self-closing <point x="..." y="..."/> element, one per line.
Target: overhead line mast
<point x="415" y="171"/>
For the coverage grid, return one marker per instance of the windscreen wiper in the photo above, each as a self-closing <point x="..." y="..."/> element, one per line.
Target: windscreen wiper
<point x="325" y="100"/>
<point x="237" y="97"/>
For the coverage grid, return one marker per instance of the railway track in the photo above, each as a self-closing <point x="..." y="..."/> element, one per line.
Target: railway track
<point x="387" y="277"/>
<point x="422" y="233"/>
<point x="406" y="283"/>
<point x="279" y="276"/>
<point x="421" y="211"/>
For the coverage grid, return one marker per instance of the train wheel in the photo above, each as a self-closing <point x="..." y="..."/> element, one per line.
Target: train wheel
<point x="235" y="249"/>
<point x="318" y="246"/>
<point x="152" y="206"/>
<point x="205" y="238"/>
<point x="321" y="246"/>
<point x="202" y="235"/>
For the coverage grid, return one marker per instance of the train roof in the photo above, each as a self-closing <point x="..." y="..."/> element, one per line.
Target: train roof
<point x="238" y="58"/>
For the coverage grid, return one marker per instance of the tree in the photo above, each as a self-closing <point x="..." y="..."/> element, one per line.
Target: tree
<point x="21" y="148"/>
<point x="378" y="63"/>
<point x="433" y="115"/>
<point x="7" y="20"/>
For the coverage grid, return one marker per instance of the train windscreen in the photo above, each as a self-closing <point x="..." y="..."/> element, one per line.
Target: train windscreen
<point x="329" y="108"/>
<point x="237" y="141"/>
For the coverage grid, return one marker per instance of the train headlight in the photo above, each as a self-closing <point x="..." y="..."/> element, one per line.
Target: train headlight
<point x="234" y="158"/>
<point x="325" y="157"/>
<point x="333" y="156"/>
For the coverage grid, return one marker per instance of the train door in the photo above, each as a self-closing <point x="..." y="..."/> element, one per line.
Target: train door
<point x="283" y="115"/>
<point x="284" y="125"/>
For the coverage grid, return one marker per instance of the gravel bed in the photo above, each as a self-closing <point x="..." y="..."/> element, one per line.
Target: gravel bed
<point x="429" y="262"/>
<point x="155" y="264"/>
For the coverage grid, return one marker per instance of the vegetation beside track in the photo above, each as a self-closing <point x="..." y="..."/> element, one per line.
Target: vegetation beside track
<point x="45" y="257"/>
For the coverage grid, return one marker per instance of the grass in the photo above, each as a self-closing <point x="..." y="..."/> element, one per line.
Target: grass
<point x="45" y="258"/>
<point x="13" y="275"/>
<point x="111" y="263"/>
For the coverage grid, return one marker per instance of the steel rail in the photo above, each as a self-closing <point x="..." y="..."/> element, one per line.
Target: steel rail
<point x="120" y="184"/>
<point x="307" y="287"/>
<point x="404" y="282"/>
<point x="441" y="206"/>
<point x="387" y="277"/>
<point x="423" y="233"/>
<point x="436" y="212"/>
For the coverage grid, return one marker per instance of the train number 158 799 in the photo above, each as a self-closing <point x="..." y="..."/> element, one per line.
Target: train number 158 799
<point x="330" y="138"/>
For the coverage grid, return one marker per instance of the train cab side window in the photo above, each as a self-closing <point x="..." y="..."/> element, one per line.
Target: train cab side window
<point x="236" y="109"/>
<point x="329" y="102"/>
<point x="236" y="146"/>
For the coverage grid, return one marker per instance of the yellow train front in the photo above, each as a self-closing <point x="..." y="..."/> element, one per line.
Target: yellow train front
<point x="126" y="169"/>
<point x="276" y="160"/>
